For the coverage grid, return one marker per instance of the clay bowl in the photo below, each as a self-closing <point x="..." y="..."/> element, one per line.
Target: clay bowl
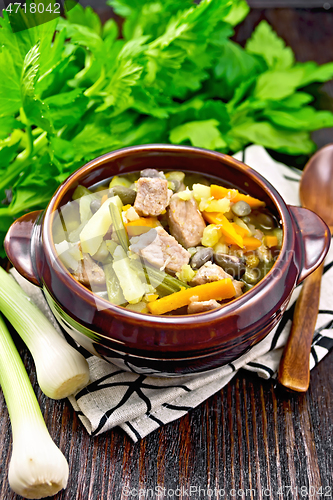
<point x="168" y="345"/>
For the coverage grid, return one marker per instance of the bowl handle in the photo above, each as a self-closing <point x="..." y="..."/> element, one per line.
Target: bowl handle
<point x="314" y="238"/>
<point x="21" y="242"/>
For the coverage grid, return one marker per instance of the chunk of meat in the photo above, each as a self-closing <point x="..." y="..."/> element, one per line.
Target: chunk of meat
<point x="264" y="253"/>
<point x="89" y="273"/>
<point x="152" y="196"/>
<point x="202" y="306"/>
<point x="161" y="250"/>
<point x="186" y="223"/>
<point x="212" y="272"/>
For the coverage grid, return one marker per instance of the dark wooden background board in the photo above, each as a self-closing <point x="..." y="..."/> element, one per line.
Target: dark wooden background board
<point x="304" y="4"/>
<point x="251" y="440"/>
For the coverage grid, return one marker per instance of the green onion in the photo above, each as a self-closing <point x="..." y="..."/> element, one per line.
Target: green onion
<point x="37" y="467"/>
<point x="61" y="370"/>
<point x="117" y="221"/>
<point x="161" y="280"/>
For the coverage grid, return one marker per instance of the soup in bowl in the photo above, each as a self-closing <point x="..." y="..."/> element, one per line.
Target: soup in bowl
<point x="167" y="260"/>
<point x="160" y="242"/>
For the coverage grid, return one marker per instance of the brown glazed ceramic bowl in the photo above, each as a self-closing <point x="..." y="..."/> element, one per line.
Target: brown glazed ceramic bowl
<point x="168" y="345"/>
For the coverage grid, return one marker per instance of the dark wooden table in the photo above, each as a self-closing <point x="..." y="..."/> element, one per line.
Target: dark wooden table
<point x="251" y="440"/>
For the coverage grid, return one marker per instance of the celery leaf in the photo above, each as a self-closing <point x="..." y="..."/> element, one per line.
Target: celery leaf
<point x="204" y="134"/>
<point x="265" y="134"/>
<point x="266" y="43"/>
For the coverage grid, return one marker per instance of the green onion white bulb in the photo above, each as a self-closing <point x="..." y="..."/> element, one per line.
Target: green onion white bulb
<point x="61" y="370"/>
<point x="37" y="467"/>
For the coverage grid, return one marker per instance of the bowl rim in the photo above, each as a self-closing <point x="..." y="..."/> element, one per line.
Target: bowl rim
<point x="180" y="321"/>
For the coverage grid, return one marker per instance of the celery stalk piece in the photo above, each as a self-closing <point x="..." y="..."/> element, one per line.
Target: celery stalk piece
<point x="84" y="208"/>
<point x="81" y="191"/>
<point x="61" y="370"/>
<point x="115" y="294"/>
<point x="129" y="280"/>
<point x="94" y="231"/>
<point x="37" y="467"/>
<point x="120" y="181"/>
<point x="69" y="254"/>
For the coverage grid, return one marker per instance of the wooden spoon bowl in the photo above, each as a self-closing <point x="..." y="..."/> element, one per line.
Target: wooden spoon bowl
<point x="316" y="188"/>
<point x="316" y="194"/>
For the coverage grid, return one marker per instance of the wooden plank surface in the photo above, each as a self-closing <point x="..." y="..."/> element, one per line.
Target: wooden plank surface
<point x="251" y="438"/>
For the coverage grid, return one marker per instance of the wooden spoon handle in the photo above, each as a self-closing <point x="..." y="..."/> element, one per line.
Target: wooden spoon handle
<point x="294" y="370"/>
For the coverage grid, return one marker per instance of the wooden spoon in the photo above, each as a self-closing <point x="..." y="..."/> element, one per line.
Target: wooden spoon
<point x="316" y="193"/>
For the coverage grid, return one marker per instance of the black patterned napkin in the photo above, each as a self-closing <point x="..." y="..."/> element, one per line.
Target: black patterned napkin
<point x="139" y="404"/>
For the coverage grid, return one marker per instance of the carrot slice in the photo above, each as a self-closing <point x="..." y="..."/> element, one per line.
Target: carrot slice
<point x="271" y="241"/>
<point x="226" y="227"/>
<point x="222" y="192"/>
<point x="234" y="195"/>
<point x="240" y="230"/>
<point x="251" y="243"/>
<point x="253" y="202"/>
<point x="218" y="290"/>
<point x="141" y="225"/>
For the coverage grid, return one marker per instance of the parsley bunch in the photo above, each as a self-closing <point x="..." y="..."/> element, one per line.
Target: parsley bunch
<point x="73" y="89"/>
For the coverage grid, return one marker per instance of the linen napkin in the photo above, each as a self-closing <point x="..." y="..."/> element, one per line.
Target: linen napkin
<point x="140" y="404"/>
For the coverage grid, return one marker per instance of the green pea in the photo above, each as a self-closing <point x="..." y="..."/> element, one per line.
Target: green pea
<point x="251" y="276"/>
<point x="265" y="221"/>
<point x="241" y="208"/>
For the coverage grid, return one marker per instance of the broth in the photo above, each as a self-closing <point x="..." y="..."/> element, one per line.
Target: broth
<point x="165" y="242"/>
